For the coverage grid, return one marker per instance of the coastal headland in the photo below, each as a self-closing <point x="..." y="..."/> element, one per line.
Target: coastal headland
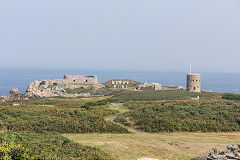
<point x="79" y="118"/>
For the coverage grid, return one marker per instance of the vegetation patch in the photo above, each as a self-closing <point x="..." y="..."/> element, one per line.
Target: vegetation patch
<point x="119" y="107"/>
<point x="80" y="90"/>
<point x="27" y="145"/>
<point x="207" y="116"/>
<point x="230" y="96"/>
<point x="40" y="119"/>
<point x="150" y="95"/>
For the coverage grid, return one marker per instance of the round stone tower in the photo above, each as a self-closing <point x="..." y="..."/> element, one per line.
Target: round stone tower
<point x="193" y="82"/>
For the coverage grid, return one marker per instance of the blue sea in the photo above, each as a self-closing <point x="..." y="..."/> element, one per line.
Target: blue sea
<point x="21" y="78"/>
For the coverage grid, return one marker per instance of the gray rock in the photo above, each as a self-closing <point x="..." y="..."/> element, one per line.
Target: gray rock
<point x="232" y="152"/>
<point x="14" y="95"/>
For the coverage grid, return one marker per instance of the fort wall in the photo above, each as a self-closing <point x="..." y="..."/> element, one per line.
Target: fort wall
<point x="80" y="79"/>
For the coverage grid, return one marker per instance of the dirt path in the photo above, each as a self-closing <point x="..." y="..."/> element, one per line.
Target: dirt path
<point x="130" y="129"/>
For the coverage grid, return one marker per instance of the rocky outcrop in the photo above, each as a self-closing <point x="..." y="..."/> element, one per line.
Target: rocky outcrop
<point x="40" y="89"/>
<point x="232" y="152"/>
<point x="52" y="88"/>
<point x="13" y="95"/>
<point x="49" y="88"/>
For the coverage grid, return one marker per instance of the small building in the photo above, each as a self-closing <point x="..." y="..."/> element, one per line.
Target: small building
<point x="157" y="86"/>
<point x="119" y="83"/>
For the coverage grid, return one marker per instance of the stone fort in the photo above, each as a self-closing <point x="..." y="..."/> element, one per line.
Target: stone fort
<point x="48" y="88"/>
<point x="80" y="79"/>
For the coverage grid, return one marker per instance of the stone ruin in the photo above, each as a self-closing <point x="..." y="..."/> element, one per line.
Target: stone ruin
<point x="51" y="88"/>
<point x="232" y="152"/>
<point x="154" y="86"/>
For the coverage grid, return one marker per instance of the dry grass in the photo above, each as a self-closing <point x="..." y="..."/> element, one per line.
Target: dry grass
<point x="161" y="145"/>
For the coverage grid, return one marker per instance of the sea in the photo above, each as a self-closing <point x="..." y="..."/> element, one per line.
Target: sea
<point x="215" y="82"/>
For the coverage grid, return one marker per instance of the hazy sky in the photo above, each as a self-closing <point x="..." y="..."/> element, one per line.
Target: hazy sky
<point x="159" y="35"/>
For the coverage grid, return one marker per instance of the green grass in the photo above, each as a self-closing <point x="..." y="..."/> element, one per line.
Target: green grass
<point x="119" y="107"/>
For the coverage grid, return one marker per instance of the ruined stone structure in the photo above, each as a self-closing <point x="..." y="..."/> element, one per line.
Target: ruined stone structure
<point x="193" y="82"/>
<point x="154" y="86"/>
<point x="49" y="88"/>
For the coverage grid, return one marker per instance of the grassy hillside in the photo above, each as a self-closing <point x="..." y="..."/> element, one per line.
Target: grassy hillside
<point x="59" y="118"/>
<point x="34" y="128"/>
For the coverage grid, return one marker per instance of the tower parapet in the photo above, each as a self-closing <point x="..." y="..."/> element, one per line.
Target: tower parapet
<point x="193" y="82"/>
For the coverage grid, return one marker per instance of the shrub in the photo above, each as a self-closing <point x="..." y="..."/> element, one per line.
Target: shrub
<point x="80" y="90"/>
<point x="10" y="151"/>
<point x="121" y="119"/>
<point x="98" y="103"/>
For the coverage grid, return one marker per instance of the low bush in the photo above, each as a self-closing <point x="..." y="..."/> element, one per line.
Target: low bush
<point x="121" y="119"/>
<point x="98" y="103"/>
<point x="10" y="151"/>
<point x="80" y="90"/>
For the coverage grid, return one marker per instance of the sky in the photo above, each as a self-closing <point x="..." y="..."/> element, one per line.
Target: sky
<point x="151" y="35"/>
